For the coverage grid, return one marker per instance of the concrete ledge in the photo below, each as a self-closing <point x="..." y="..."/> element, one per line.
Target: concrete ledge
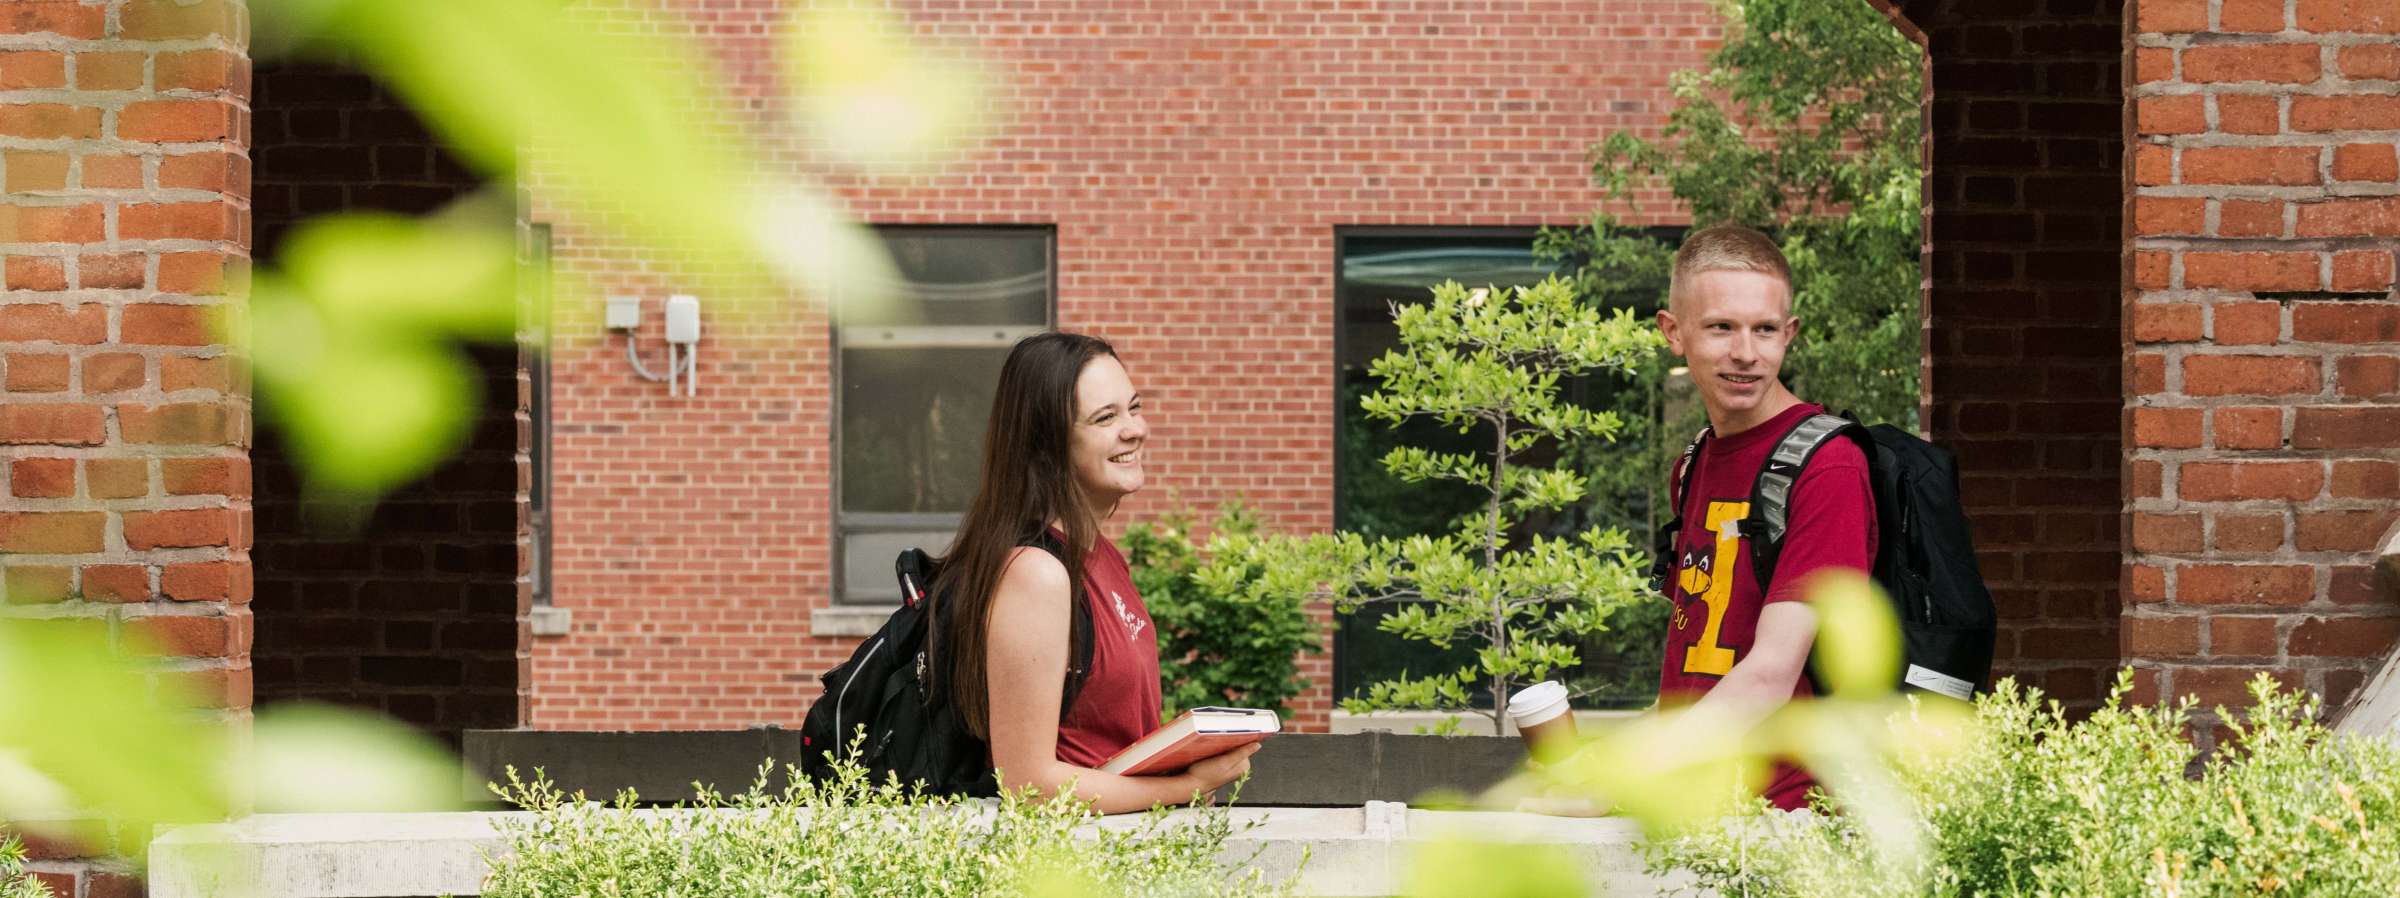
<point x="1352" y="852"/>
<point x="660" y="766"/>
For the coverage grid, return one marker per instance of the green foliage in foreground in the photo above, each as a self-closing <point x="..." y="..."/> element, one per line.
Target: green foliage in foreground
<point x="2037" y="806"/>
<point x="852" y="836"/>
<point x="14" y="882"/>
<point x="1217" y="645"/>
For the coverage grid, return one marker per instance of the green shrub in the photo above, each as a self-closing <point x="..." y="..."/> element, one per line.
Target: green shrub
<point x="14" y="881"/>
<point x="851" y="836"/>
<point x="1216" y="646"/>
<point x="2036" y="805"/>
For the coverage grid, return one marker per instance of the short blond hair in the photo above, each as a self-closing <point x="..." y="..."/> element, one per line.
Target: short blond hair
<point x="1726" y="247"/>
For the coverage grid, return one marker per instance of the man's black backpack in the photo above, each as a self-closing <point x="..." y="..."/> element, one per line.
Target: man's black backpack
<point x="892" y="686"/>
<point x="1924" y="558"/>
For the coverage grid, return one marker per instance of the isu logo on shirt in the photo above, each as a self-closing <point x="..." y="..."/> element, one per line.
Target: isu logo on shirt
<point x="1707" y="581"/>
<point x="1133" y="624"/>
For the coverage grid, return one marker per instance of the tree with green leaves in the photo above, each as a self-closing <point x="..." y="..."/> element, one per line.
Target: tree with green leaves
<point x="1804" y="124"/>
<point x="1490" y="363"/>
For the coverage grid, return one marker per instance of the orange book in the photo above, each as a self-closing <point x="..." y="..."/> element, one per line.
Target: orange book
<point x="1193" y="735"/>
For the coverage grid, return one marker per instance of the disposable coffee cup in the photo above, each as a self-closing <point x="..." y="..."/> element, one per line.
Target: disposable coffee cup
<point x="1540" y="713"/>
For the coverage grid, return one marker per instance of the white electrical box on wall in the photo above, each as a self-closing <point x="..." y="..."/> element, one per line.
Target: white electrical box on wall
<point x="683" y="319"/>
<point x="683" y="339"/>
<point x="624" y="313"/>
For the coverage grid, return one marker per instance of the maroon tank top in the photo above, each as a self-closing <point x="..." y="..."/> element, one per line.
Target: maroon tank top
<point x="1120" y="700"/>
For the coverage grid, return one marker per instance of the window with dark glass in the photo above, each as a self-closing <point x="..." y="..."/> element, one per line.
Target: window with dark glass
<point x="915" y="371"/>
<point x="1376" y="268"/>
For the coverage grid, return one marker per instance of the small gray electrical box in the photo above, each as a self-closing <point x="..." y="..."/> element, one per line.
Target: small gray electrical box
<point x="624" y="312"/>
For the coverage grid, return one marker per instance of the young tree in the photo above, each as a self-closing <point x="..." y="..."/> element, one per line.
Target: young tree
<point x="1487" y="362"/>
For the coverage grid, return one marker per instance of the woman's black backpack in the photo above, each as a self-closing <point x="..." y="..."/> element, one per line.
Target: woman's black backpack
<point x="1924" y="558"/>
<point x="891" y="687"/>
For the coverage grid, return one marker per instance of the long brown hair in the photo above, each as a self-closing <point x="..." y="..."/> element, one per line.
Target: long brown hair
<point x="1028" y="480"/>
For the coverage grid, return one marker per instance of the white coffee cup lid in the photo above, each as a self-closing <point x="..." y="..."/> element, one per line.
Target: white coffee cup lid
<point x="1538" y="702"/>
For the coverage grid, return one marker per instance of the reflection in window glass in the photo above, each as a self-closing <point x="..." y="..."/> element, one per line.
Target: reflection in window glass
<point x="956" y="276"/>
<point x="1374" y="270"/>
<point x="1378" y="271"/>
<point x="914" y="384"/>
<point x="912" y="426"/>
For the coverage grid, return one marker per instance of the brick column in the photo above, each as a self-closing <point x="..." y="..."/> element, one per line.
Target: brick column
<point x="122" y="134"/>
<point x="2021" y="349"/>
<point x="2263" y="409"/>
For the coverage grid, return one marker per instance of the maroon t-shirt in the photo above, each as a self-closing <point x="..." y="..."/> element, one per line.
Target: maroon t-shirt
<point x="1120" y="700"/>
<point x="1830" y="524"/>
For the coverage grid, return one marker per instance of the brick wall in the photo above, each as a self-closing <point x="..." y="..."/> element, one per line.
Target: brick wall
<point x="2263" y="342"/>
<point x="122" y="136"/>
<point x="413" y="613"/>
<point x="1195" y="163"/>
<point x="2022" y="317"/>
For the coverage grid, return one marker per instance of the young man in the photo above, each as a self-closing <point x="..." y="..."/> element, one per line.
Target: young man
<point x="1738" y="649"/>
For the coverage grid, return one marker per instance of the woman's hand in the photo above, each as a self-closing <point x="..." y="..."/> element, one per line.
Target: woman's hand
<point x="1207" y="774"/>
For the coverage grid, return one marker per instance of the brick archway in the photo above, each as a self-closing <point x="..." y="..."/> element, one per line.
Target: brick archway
<point x="2021" y="315"/>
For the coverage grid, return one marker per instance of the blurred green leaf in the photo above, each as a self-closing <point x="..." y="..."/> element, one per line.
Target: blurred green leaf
<point x="1458" y="868"/>
<point x="319" y="758"/>
<point x="851" y="64"/>
<point x="609" y="114"/>
<point x="368" y="396"/>
<point x="617" y="132"/>
<point x="1057" y="877"/>
<point x="400" y="278"/>
<point x="115" y="742"/>
<point x="98" y="731"/>
<point x="1858" y="637"/>
<point x="1671" y="770"/>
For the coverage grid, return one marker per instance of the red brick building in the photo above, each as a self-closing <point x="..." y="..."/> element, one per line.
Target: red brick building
<point x="1178" y="176"/>
<point x="2160" y="331"/>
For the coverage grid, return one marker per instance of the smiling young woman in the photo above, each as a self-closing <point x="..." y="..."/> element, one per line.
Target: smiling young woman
<point x="1064" y="446"/>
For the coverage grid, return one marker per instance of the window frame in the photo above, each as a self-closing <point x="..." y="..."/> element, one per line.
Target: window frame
<point x="840" y="337"/>
<point x="535" y="272"/>
<point x="1340" y="674"/>
<point x="1342" y="235"/>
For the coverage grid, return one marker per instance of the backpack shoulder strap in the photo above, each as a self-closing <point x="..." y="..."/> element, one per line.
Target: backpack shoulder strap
<point x="1683" y="468"/>
<point x="1771" y="494"/>
<point x="1079" y="626"/>
<point x="1662" y="548"/>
